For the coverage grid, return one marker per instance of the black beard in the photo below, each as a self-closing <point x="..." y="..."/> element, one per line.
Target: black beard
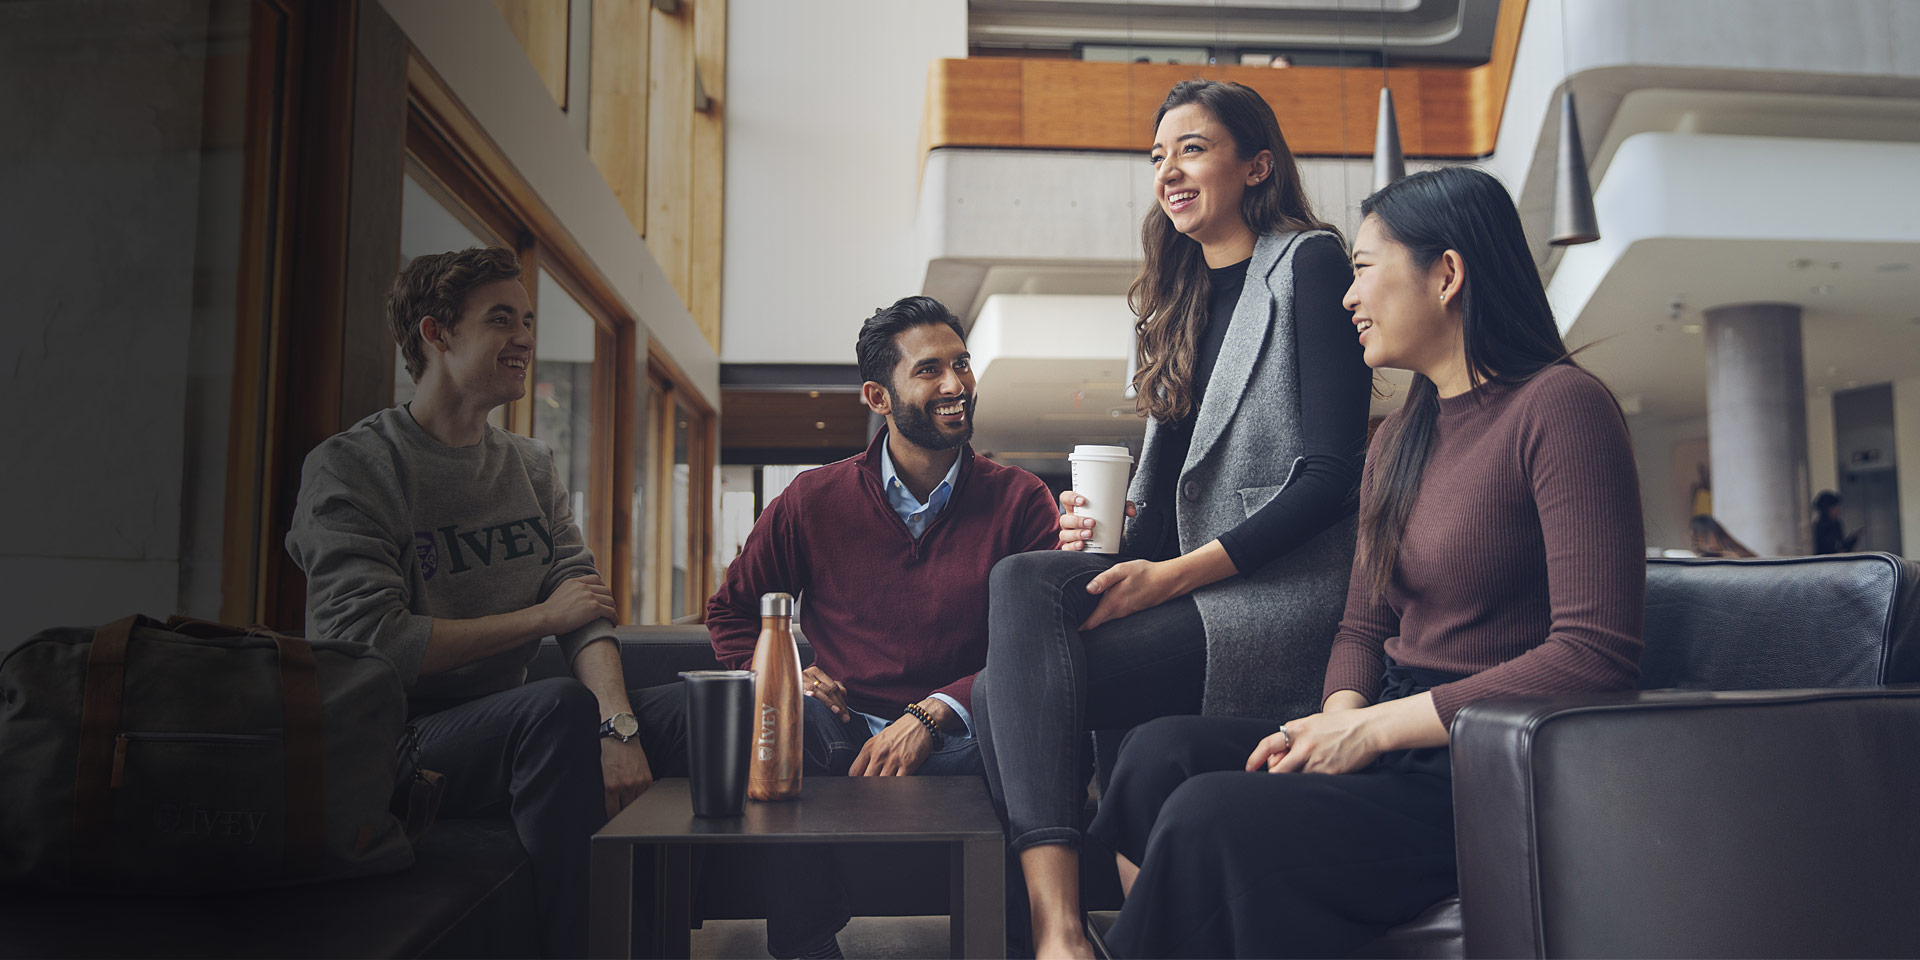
<point x="918" y="426"/>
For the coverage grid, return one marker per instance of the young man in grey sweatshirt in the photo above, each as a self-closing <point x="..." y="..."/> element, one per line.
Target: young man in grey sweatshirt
<point x="448" y="544"/>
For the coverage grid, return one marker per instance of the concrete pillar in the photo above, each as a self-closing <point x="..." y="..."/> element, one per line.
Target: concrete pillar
<point x="1757" y="426"/>
<point x="1906" y="458"/>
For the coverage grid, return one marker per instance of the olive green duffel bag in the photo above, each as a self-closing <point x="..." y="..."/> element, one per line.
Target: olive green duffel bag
<point x="190" y="757"/>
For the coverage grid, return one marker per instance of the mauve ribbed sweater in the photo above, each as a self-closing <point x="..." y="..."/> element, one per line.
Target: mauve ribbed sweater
<point x="1523" y="563"/>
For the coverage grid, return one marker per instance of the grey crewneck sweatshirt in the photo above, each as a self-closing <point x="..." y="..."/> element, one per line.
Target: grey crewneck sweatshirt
<point x="394" y="528"/>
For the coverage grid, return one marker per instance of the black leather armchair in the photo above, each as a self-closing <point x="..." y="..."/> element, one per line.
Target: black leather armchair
<point x="1687" y="819"/>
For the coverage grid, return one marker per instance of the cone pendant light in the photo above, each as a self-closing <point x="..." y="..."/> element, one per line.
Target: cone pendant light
<point x="1573" y="217"/>
<point x="1389" y="164"/>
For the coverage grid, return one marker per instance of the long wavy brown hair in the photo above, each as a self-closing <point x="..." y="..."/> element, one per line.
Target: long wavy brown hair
<point x="1170" y="295"/>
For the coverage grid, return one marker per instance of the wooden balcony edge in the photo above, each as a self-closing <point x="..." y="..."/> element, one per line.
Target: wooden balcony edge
<point x="1444" y="112"/>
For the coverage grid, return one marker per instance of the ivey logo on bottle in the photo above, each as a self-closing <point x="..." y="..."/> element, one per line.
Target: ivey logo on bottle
<point x="766" y="731"/>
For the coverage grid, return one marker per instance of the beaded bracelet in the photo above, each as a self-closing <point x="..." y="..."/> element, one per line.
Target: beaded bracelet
<point x="926" y="720"/>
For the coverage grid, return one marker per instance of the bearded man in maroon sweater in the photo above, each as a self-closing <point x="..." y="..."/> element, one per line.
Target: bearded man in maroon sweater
<point x="888" y="554"/>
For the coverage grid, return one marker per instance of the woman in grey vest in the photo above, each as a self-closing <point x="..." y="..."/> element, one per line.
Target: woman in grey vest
<point x="1232" y="574"/>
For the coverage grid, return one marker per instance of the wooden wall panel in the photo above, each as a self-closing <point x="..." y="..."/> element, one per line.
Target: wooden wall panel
<point x="705" y="250"/>
<point x="664" y="160"/>
<point x="793" y="420"/>
<point x="1325" y="111"/>
<point x="541" y="26"/>
<point x="1070" y="102"/>
<point x="670" y="144"/>
<point x="974" y="102"/>
<point x="617" y="105"/>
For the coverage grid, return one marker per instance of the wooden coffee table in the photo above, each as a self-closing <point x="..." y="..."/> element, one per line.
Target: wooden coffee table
<point x="955" y="811"/>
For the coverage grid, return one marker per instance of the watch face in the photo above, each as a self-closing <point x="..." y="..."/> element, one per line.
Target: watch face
<point x="625" y="725"/>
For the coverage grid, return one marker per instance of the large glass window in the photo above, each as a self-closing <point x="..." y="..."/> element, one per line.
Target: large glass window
<point x="638" y="466"/>
<point x="563" y="390"/>
<point x="653" y="507"/>
<point x="676" y="562"/>
<point x="429" y="224"/>
<point x="682" y="509"/>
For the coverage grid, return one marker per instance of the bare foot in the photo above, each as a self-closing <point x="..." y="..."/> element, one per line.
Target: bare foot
<point x="1075" y="947"/>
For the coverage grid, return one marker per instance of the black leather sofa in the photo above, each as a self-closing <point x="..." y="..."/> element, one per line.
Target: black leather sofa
<point x="1751" y="799"/>
<point x="1755" y="798"/>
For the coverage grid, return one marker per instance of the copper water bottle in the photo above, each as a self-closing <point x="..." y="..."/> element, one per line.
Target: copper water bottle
<point x="774" y="773"/>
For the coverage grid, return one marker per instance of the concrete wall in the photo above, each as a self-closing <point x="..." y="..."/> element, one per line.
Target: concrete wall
<point x="1823" y="467"/>
<point x="1612" y="47"/>
<point x="1664" y="505"/>
<point x="823" y="128"/>
<point x="1040" y="205"/>
<point x="119" y="352"/>
<point x="1906" y="434"/>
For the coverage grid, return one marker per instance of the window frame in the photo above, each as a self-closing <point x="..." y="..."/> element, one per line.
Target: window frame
<point x="250" y="565"/>
<point x="675" y="389"/>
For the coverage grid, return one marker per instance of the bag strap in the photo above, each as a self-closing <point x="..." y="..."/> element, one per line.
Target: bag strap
<point x="99" y="726"/>
<point x="304" y="756"/>
<point x="209" y="630"/>
<point x="423" y="802"/>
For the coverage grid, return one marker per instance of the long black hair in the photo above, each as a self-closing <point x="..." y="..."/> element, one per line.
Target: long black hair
<point x="1506" y="323"/>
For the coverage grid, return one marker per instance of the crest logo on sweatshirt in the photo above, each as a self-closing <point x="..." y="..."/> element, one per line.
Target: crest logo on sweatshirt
<point x="426" y="552"/>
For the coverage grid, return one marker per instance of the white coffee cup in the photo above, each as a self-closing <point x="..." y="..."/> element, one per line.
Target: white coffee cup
<point x="1100" y="476"/>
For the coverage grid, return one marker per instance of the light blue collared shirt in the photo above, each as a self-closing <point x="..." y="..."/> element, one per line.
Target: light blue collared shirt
<point x="917" y="516"/>
<point x="913" y="513"/>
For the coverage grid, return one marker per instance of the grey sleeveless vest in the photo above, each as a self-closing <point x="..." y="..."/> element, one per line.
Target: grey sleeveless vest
<point x="1269" y="631"/>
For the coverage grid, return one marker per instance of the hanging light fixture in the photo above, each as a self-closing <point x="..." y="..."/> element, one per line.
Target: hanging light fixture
<point x="1389" y="163"/>
<point x="1573" y="218"/>
<point x="1574" y="221"/>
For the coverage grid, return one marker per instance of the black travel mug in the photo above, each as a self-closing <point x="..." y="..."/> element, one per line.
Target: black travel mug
<point x="719" y="739"/>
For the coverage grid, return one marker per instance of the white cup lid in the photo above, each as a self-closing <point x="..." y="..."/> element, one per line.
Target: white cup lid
<point x="1087" y="451"/>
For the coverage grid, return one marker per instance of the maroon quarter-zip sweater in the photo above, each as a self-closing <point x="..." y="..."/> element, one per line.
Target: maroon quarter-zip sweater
<point x="893" y="618"/>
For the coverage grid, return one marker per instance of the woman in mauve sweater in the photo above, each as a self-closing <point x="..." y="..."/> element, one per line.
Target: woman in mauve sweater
<point x="1501" y="554"/>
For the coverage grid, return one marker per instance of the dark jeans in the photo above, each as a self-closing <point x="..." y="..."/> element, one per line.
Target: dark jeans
<point x="1279" y="865"/>
<point x="808" y="903"/>
<point x="1047" y="684"/>
<point x="831" y="747"/>
<point x="533" y="754"/>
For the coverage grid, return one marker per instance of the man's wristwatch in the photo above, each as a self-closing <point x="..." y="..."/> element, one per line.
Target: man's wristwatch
<point x="625" y="726"/>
